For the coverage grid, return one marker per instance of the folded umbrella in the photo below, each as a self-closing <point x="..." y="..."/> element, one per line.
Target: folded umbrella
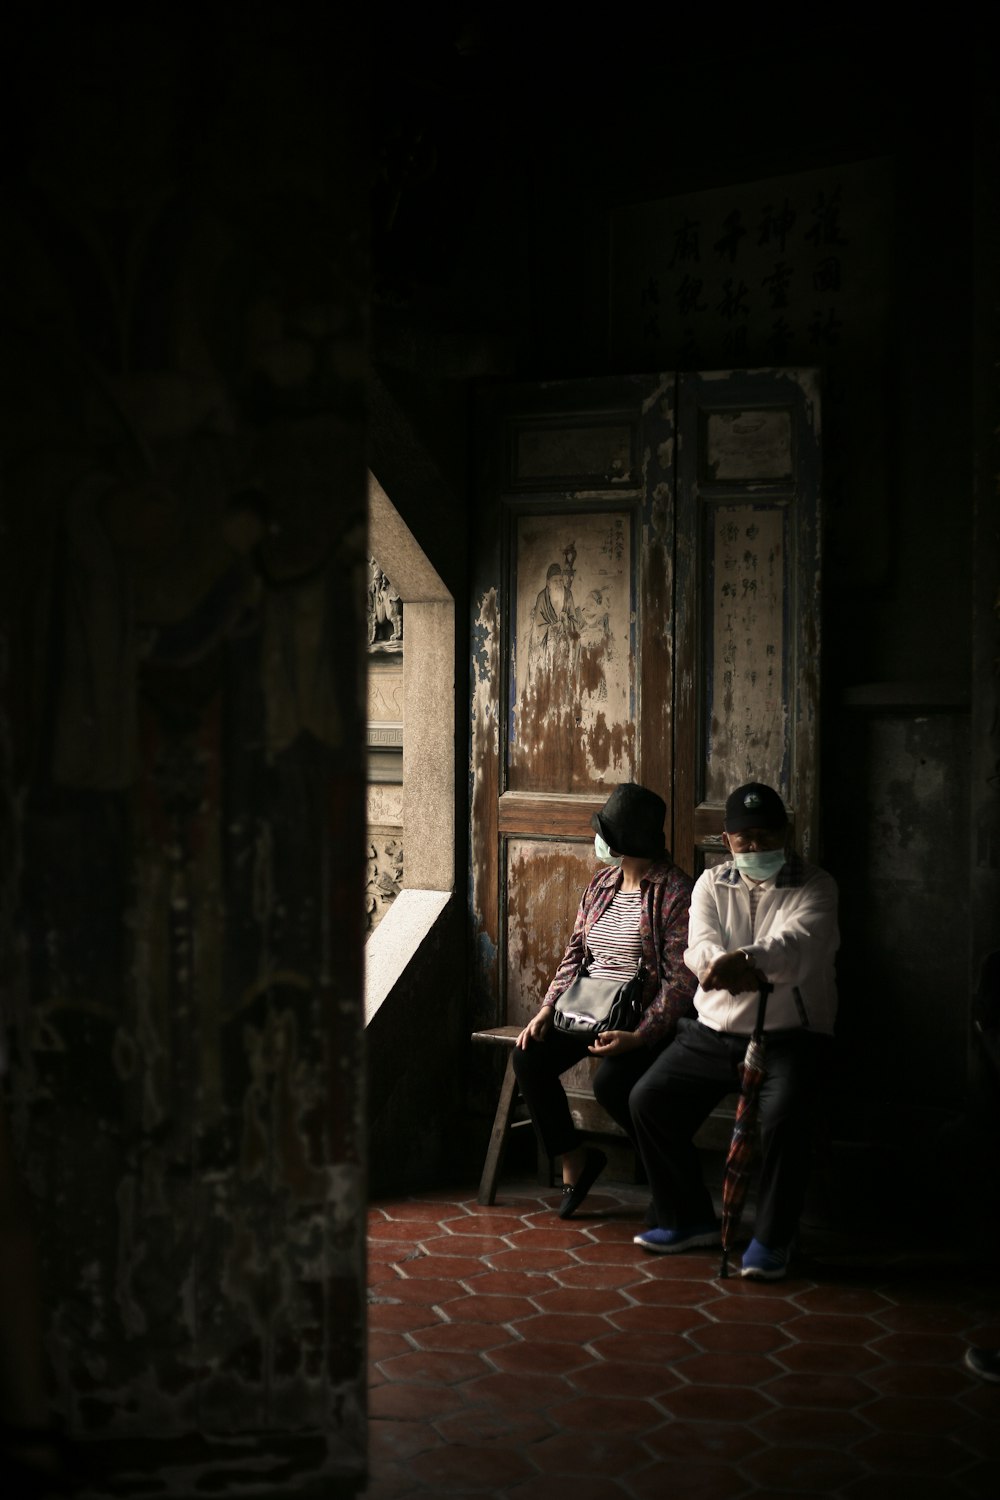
<point x="739" y="1158"/>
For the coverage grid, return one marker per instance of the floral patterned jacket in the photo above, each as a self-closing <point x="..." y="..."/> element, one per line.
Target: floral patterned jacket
<point x="669" y="985"/>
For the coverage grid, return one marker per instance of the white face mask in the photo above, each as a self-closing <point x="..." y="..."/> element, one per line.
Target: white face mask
<point x="760" y="865"/>
<point x="603" y="852"/>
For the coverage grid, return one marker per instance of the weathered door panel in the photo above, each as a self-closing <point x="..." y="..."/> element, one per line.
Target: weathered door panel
<point x="571" y="690"/>
<point x="747" y="621"/>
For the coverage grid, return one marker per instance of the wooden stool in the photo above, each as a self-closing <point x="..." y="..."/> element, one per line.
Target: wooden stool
<point x="588" y="1117"/>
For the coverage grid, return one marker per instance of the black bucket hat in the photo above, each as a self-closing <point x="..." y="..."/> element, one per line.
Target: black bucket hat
<point x="754" y="806"/>
<point x="631" y="821"/>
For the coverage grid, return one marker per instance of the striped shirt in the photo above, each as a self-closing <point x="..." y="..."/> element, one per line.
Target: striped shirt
<point x="614" y="938"/>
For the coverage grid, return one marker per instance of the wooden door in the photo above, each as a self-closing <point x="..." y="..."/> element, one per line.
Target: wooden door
<point x="747" y="604"/>
<point x="645" y="498"/>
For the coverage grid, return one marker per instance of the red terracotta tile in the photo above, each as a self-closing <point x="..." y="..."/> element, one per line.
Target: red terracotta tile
<point x="499" y="1225"/>
<point x="460" y="1468"/>
<point x="388" y="1254"/>
<point x="724" y="1403"/>
<point x="434" y="1367"/>
<point x="912" y="1452"/>
<point x="464" y="1244"/>
<point x="914" y="1487"/>
<point x="487" y="1309"/>
<point x="397" y="1439"/>
<point x="980" y="1399"/>
<point x="390" y="1480"/>
<point x="570" y="1238"/>
<point x="696" y="1265"/>
<point x="617" y="1231"/>
<point x="539" y="1358"/>
<point x="903" y="1379"/>
<point x="673" y="1293"/>
<point x="508" y="1283"/>
<point x="426" y="1291"/>
<point x="701" y="1439"/>
<point x="833" y="1328"/>
<point x="921" y="1348"/>
<point x="750" y="1304"/>
<point x="642" y="1348"/>
<point x="693" y="1481"/>
<point x="412" y="1212"/>
<point x="728" y="1369"/>
<point x="914" y="1414"/>
<point x="658" y="1319"/>
<point x="832" y="1298"/>
<point x="529" y="1260"/>
<point x="452" y="1267"/>
<point x="598" y="1254"/>
<point x="691" y="1265"/>
<point x="475" y="1336"/>
<point x="598" y="1276"/>
<point x="924" y="1318"/>
<point x="400" y="1232"/>
<point x="822" y="1389"/>
<point x="982" y="1335"/>
<point x="521" y="1202"/>
<point x="828" y="1359"/>
<point x="382" y="1344"/>
<point x="417" y="1403"/>
<point x="520" y="1392"/>
<point x="480" y="1424"/>
<point x="615" y="1378"/>
<point x="402" y="1316"/>
<point x="606" y="1414"/>
<point x="802" y="1471"/>
<point x="569" y="1328"/>
<point x="572" y="1487"/>
<point x="804" y="1426"/>
<point x="589" y="1453"/>
<point x="980" y="1482"/>
<point x="738" y="1338"/>
<point x="567" y="1299"/>
<point x="981" y="1437"/>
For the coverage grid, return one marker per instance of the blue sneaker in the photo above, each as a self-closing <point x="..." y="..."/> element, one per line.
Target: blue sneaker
<point x="762" y="1264"/>
<point x="669" y="1241"/>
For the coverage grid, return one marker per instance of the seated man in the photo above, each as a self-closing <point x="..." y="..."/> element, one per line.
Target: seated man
<point x="764" y="915"/>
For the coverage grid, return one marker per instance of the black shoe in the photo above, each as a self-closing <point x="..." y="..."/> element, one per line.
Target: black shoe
<point x="572" y="1197"/>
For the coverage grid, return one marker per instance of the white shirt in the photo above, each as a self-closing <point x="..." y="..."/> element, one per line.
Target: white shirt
<point x="793" y="944"/>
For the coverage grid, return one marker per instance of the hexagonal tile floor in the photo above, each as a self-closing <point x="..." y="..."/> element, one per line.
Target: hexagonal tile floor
<point x="514" y="1355"/>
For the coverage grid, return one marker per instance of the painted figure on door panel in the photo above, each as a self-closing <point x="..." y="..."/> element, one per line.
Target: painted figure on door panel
<point x="555" y="621"/>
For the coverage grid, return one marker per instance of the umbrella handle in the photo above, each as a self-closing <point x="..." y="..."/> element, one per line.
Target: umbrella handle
<point x="765" y="990"/>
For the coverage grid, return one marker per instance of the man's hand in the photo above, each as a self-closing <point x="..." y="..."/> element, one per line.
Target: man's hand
<point x="614" y="1043"/>
<point x="732" y="972"/>
<point x="538" y="1027"/>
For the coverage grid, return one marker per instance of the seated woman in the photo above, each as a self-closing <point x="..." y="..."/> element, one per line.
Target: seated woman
<point x="636" y="907"/>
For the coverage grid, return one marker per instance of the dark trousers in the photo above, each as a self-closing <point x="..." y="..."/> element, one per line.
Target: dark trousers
<point x="538" y="1068"/>
<point x="683" y="1086"/>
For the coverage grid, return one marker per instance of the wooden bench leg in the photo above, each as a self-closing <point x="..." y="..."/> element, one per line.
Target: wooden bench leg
<point x="498" y="1138"/>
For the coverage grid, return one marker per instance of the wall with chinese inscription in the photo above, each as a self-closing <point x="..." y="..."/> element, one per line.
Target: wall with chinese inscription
<point x="790" y="270"/>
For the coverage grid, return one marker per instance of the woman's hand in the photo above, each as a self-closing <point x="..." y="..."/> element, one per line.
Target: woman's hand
<point x="537" y="1028"/>
<point x="613" y="1043"/>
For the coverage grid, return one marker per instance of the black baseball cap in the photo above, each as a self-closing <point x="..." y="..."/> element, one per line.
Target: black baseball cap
<point x="754" y="806"/>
